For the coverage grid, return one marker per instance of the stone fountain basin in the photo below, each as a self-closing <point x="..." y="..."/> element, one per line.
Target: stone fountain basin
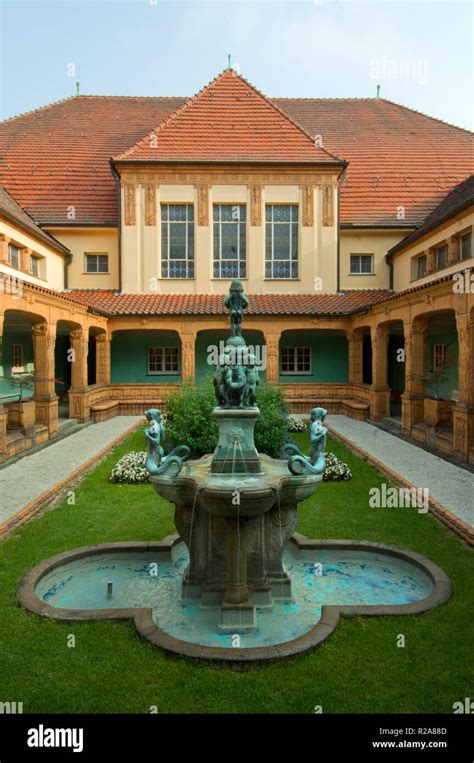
<point x="216" y="493"/>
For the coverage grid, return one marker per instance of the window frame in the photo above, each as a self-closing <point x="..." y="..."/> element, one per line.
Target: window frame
<point x="438" y="249"/>
<point x="19" y="367"/>
<point x="17" y="254"/>
<point x="97" y="272"/>
<point x="295" y="349"/>
<point x="163" y="371"/>
<point x="466" y="234"/>
<point x="241" y="259"/>
<point x="190" y="259"/>
<point x="294" y="226"/>
<point x="440" y="347"/>
<point x="35" y="259"/>
<point x="421" y="258"/>
<point x="360" y="272"/>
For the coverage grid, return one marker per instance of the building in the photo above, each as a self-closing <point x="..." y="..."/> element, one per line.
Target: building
<point x="123" y="220"/>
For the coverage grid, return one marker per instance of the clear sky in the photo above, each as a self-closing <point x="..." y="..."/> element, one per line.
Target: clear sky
<point x="421" y="53"/>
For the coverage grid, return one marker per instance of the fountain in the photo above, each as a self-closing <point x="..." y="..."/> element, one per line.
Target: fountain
<point x="236" y="584"/>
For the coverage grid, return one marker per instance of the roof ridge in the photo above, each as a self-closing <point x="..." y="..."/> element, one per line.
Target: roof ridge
<point x="177" y="112"/>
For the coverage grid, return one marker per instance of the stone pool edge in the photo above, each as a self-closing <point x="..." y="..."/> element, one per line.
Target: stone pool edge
<point x="142" y="618"/>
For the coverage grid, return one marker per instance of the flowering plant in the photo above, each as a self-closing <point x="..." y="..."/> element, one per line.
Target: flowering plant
<point x="131" y="468"/>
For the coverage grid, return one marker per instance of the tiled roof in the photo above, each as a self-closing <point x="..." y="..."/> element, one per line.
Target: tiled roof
<point x="56" y="158"/>
<point x="402" y="163"/>
<point x="459" y="199"/>
<point x="15" y="214"/>
<point x="109" y="303"/>
<point x="228" y="121"/>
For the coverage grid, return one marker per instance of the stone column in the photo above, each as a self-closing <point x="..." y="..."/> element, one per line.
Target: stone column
<point x="413" y="397"/>
<point x="25" y="255"/>
<point x="272" y="357"/>
<point x="103" y="358"/>
<point x="4" y="241"/>
<point x="78" y="393"/>
<point x="46" y="400"/>
<point x="380" y="391"/>
<point x="355" y="342"/>
<point x="463" y="414"/>
<point x="453" y="250"/>
<point x="188" y="354"/>
<point x="430" y="260"/>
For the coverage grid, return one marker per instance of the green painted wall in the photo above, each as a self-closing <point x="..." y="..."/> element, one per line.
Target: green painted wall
<point x="329" y="356"/>
<point x="450" y="339"/>
<point x="396" y="368"/>
<point x="62" y="367"/>
<point x="129" y="356"/>
<point x="10" y="338"/>
<point x="207" y="340"/>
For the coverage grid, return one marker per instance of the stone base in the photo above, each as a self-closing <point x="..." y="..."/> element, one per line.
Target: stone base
<point x="281" y="588"/>
<point x="237" y="617"/>
<point x="235" y="452"/>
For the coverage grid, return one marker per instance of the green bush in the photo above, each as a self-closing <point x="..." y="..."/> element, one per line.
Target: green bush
<point x="189" y="420"/>
<point x="271" y="426"/>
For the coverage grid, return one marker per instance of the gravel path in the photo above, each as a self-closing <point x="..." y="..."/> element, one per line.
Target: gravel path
<point x="32" y="475"/>
<point x="450" y="485"/>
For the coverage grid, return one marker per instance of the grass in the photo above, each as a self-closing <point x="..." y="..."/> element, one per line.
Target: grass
<point x="112" y="670"/>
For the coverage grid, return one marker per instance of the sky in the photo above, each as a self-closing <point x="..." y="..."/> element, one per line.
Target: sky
<point x="420" y="53"/>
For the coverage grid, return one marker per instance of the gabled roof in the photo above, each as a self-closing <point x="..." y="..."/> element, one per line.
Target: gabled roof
<point x="228" y="121"/>
<point x="457" y="200"/>
<point x="109" y="303"/>
<point x="11" y="210"/>
<point x="57" y="157"/>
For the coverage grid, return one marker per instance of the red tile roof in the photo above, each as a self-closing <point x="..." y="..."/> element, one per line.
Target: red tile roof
<point x="57" y="157"/>
<point x="109" y="303"/>
<point x="16" y="214"/>
<point x="457" y="200"/>
<point x="228" y="121"/>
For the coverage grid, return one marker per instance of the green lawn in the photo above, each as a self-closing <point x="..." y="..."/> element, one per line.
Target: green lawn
<point x="111" y="669"/>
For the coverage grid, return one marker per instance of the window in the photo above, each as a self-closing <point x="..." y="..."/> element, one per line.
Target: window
<point x="439" y="356"/>
<point x="162" y="360"/>
<point x="96" y="262"/>
<point x="17" y="358"/>
<point x="296" y="360"/>
<point x="421" y="266"/>
<point x="281" y="241"/>
<point x="229" y="241"/>
<point x="361" y="264"/>
<point x="34" y="266"/>
<point x="442" y="257"/>
<point x="177" y="241"/>
<point x="13" y="256"/>
<point x="466" y="244"/>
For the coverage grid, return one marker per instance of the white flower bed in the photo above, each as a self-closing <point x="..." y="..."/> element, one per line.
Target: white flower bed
<point x="296" y="425"/>
<point x="336" y="470"/>
<point x="131" y="468"/>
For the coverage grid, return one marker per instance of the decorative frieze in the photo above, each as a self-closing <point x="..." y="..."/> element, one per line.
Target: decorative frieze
<point x="129" y="212"/>
<point x="308" y="205"/>
<point x="203" y="204"/>
<point x="255" y="205"/>
<point x="150" y="205"/>
<point x="328" y="206"/>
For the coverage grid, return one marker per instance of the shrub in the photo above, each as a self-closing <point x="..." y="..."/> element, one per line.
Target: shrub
<point x="131" y="468"/>
<point x="271" y="425"/>
<point x="189" y="419"/>
<point x="296" y="425"/>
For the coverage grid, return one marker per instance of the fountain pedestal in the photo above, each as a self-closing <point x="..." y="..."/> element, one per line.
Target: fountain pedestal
<point x="235" y="452"/>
